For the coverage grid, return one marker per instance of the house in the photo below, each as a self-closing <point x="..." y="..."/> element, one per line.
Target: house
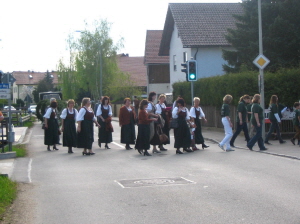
<point x="158" y="70"/>
<point x="26" y="82"/>
<point x="134" y="66"/>
<point x="197" y="30"/>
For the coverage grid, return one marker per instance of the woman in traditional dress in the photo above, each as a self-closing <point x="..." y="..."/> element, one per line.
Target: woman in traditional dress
<point x="51" y="136"/>
<point x="197" y="113"/>
<point x="182" y="132"/>
<point x="68" y="127"/>
<point x="104" y="112"/>
<point x="154" y="137"/>
<point x="161" y="110"/>
<point x="127" y="118"/>
<point x="85" y="129"/>
<point x="142" y="142"/>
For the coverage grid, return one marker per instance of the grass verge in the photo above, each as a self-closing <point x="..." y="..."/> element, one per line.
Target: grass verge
<point x="8" y="192"/>
<point x="19" y="149"/>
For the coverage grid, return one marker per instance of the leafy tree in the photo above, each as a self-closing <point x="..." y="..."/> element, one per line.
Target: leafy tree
<point x="281" y="35"/>
<point x="20" y="102"/>
<point x="44" y="85"/>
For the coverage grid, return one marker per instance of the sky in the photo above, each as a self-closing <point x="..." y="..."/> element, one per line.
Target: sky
<point x="33" y="33"/>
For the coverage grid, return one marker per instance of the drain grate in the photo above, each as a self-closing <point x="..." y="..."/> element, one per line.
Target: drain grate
<point x="153" y="182"/>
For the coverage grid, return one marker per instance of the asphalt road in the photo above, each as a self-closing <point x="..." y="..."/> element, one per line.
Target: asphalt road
<point x="121" y="186"/>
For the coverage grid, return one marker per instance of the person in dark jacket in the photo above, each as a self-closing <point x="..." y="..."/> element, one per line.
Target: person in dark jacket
<point x="68" y="127"/>
<point x="51" y="134"/>
<point x="275" y="120"/>
<point x="127" y="118"/>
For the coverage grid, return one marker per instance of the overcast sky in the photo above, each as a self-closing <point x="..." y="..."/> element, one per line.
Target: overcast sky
<point x="33" y="33"/>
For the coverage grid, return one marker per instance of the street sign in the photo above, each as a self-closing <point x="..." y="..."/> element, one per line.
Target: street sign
<point x="4" y="91"/>
<point x="4" y="96"/>
<point x="261" y="61"/>
<point x="4" y="86"/>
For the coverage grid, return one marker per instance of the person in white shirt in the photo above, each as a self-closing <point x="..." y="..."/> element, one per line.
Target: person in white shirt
<point x="161" y="110"/>
<point x="154" y="137"/>
<point x="68" y="120"/>
<point x="51" y="136"/>
<point x="104" y="112"/>
<point x="197" y="113"/>
<point x="182" y="133"/>
<point x="85" y="128"/>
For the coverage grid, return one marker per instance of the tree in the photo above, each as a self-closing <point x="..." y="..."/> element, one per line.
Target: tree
<point x="44" y="85"/>
<point x="281" y="36"/>
<point x="92" y="49"/>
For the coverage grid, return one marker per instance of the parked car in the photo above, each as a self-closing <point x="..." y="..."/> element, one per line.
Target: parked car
<point x="7" y="108"/>
<point x="32" y="109"/>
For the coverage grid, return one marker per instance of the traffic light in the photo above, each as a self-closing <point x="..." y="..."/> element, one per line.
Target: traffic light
<point x="185" y="69"/>
<point x="192" y="70"/>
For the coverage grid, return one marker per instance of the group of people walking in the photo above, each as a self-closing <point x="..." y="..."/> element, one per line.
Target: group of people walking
<point x="154" y="122"/>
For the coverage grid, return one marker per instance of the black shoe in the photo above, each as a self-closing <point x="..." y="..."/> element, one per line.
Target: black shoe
<point x="139" y="150"/>
<point x="293" y="141"/>
<point x="146" y="153"/>
<point x="263" y="149"/>
<point x="188" y="150"/>
<point x="107" y="147"/>
<point x="204" y="146"/>
<point x="48" y="149"/>
<point x="268" y="143"/>
<point x="232" y="145"/>
<point x="162" y="148"/>
<point x="99" y="144"/>
<point x="54" y="148"/>
<point x="250" y="148"/>
<point x="84" y="153"/>
<point x="178" y="151"/>
<point x="70" y="152"/>
<point x="282" y="142"/>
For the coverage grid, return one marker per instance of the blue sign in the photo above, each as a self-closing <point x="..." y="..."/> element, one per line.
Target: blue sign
<point x="4" y="86"/>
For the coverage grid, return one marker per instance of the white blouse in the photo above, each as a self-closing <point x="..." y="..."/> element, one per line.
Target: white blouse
<point x="81" y="113"/>
<point x="48" y="113"/>
<point x="106" y="107"/>
<point x="175" y="110"/>
<point x="159" y="108"/>
<point x="193" y="112"/>
<point x="64" y="113"/>
<point x="149" y="108"/>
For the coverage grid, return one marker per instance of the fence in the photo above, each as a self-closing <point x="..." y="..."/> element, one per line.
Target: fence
<point x="4" y="134"/>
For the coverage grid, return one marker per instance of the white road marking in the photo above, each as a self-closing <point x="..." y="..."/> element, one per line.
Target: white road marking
<point x="117" y="144"/>
<point x="29" y="170"/>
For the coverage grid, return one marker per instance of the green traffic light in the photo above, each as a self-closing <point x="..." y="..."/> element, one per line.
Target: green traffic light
<point x="192" y="76"/>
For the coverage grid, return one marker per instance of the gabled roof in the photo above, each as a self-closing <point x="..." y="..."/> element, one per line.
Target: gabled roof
<point x="31" y="78"/>
<point x="135" y="67"/>
<point x="153" y="39"/>
<point x="199" y="24"/>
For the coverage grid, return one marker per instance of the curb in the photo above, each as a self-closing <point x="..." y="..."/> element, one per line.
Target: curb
<point x="270" y="153"/>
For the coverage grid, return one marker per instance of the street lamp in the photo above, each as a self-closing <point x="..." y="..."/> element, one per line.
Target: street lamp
<point x="100" y="58"/>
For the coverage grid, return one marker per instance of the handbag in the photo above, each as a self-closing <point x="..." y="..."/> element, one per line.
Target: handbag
<point x="162" y="137"/>
<point x="174" y="123"/>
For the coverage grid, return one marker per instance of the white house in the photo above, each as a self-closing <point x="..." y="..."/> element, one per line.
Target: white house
<point x="197" y="30"/>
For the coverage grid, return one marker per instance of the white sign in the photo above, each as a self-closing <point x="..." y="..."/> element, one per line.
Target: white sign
<point x="4" y="96"/>
<point x="261" y="61"/>
<point x="4" y="86"/>
<point x="4" y="91"/>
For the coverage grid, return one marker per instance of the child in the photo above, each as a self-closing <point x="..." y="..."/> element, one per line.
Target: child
<point x="296" y="122"/>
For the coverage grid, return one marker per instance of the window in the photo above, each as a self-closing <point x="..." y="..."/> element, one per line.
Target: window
<point x="174" y="63"/>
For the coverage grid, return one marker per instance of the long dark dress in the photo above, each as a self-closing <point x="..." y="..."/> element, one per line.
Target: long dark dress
<point x="142" y="141"/>
<point x="182" y="133"/>
<point x="51" y="136"/>
<point x="198" y="131"/>
<point x="128" y="131"/>
<point x="103" y="135"/>
<point x="154" y="137"/>
<point x="85" y="137"/>
<point x="165" y="129"/>
<point x="69" y="134"/>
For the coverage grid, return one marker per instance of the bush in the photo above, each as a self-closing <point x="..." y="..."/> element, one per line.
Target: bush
<point x="284" y="83"/>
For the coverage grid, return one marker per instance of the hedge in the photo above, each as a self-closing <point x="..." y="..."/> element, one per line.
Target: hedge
<point x="285" y="83"/>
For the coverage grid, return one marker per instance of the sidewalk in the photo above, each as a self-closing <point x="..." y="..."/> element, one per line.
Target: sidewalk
<point x="6" y="162"/>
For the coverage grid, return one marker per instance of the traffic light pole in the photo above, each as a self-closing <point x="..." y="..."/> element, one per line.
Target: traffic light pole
<point x="192" y="92"/>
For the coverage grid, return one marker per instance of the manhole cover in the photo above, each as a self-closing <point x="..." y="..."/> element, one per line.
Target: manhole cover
<point x="153" y="182"/>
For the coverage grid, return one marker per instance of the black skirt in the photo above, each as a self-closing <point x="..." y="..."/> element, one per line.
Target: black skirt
<point x="128" y="133"/>
<point x="103" y="135"/>
<point x="142" y="141"/>
<point x="51" y="136"/>
<point x="198" y="132"/>
<point x="155" y="140"/>
<point x="69" y="133"/>
<point x="182" y="134"/>
<point x="85" y="137"/>
<point x="166" y="129"/>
